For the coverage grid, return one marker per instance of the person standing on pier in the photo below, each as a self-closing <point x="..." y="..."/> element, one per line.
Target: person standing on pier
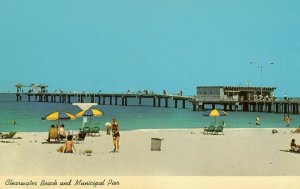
<point x="115" y="135"/>
<point x="257" y="120"/>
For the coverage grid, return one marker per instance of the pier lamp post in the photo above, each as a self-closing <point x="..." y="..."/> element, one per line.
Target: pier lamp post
<point x="261" y="75"/>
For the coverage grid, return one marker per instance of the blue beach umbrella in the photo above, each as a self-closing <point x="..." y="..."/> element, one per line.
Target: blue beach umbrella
<point x="59" y="116"/>
<point x="90" y="113"/>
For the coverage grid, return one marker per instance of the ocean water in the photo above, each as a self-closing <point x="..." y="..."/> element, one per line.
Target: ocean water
<point x="28" y="116"/>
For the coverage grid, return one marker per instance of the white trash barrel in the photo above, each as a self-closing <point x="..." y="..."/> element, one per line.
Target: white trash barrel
<point x="156" y="144"/>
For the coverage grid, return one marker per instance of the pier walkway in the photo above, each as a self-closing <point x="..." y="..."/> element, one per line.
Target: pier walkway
<point x="103" y="99"/>
<point x="272" y="105"/>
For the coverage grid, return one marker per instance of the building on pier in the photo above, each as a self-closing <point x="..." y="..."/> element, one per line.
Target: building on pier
<point x="231" y="93"/>
<point x="248" y="99"/>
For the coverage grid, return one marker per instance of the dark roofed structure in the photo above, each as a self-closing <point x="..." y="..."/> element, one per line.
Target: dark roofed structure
<point x="233" y="93"/>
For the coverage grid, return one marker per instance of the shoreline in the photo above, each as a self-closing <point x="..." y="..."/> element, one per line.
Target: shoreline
<point x="239" y="152"/>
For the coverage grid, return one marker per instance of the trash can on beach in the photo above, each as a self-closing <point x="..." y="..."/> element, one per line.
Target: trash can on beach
<point x="156" y="144"/>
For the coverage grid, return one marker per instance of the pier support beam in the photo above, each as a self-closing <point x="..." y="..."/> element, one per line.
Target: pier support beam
<point x="154" y="101"/>
<point x="116" y="100"/>
<point x="213" y="106"/>
<point x="225" y="107"/>
<point x="166" y="102"/>
<point x="123" y="101"/>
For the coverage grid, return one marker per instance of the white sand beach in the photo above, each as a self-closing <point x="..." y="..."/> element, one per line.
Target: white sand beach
<point x="186" y="152"/>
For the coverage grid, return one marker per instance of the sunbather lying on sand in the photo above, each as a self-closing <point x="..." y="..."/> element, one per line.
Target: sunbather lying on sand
<point x="297" y="130"/>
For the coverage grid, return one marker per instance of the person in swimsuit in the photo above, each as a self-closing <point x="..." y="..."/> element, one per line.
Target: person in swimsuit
<point x="294" y="146"/>
<point x="257" y="121"/>
<point x="69" y="145"/>
<point x="115" y="135"/>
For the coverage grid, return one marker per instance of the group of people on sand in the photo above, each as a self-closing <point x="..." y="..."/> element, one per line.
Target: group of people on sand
<point x="68" y="146"/>
<point x="58" y="131"/>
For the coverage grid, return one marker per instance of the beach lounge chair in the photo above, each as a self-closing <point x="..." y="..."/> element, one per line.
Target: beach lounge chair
<point x="8" y="137"/>
<point x="210" y="129"/>
<point x="95" y="130"/>
<point x="86" y="130"/>
<point x="53" y="134"/>
<point x="218" y="130"/>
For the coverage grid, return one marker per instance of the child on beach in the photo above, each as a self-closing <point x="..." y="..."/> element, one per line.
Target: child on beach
<point x="294" y="146"/>
<point x="68" y="146"/>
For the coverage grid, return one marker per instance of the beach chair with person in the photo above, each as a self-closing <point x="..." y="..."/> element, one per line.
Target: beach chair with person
<point x="80" y="137"/>
<point x="53" y="133"/>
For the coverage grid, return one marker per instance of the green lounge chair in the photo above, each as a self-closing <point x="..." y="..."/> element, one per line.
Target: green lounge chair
<point x="86" y="130"/>
<point x="95" y="130"/>
<point x="8" y="137"/>
<point x="218" y="130"/>
<point x="210" y="129"/>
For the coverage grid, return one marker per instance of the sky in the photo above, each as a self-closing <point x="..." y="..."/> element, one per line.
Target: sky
<point x="171" y="45"/>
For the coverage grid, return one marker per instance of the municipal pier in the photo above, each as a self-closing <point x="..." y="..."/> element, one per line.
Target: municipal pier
<point x="228" y="98"/>
<point x="39" y="93"/>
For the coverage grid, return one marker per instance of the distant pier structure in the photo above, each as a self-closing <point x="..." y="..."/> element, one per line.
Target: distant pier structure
<point x="41" y="94"/>
<point x="228" y="98"/>
<point x="248" y="99"/>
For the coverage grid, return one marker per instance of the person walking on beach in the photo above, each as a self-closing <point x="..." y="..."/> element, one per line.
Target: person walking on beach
<point x="257" y="121"/>
<point x="115" y="135"/>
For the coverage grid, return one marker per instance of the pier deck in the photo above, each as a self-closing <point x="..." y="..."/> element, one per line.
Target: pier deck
<point x="102" y="98"/>
<point x="280" y="105"/>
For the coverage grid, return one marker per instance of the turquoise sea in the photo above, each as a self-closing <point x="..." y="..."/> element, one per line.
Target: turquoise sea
<point x="28" y="116"/>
